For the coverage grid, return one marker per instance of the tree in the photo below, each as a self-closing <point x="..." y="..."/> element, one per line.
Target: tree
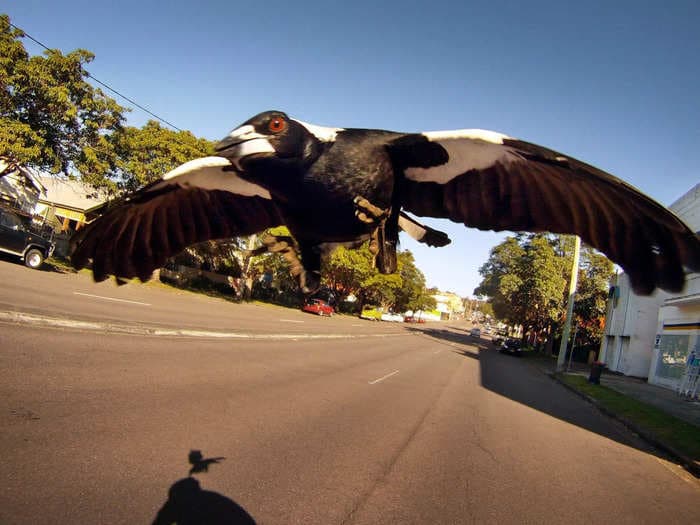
<point x="142" y="155"/>
<point x="595" y="273"/>
<point x="352" y="272"/>
<point x="525" y="280"/>
<point x="412" y="295"/>
<point x="50" y="116"/>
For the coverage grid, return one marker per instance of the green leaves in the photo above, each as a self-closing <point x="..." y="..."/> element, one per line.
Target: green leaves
<point x="526" y="280"/>
<point x="144" y="154"/>
<point x="352" y="272"/>
<point x="53" y="118"/>
<point x="49" y="108"/>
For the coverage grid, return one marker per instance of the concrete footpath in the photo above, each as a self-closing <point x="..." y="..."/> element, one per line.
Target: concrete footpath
<point x="663" y="399"/>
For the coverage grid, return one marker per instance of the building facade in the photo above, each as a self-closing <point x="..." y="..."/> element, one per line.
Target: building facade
<point x="678" y="326"/>
<point x="20" y="187"/>
<point x="653" y="336"/>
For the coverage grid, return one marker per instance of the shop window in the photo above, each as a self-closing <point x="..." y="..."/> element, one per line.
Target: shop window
<point x="673" y="352"/>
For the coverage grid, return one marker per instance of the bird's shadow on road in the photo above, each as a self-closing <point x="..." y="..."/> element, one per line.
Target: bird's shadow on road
<point x="522" y="381"/>
<point x="189" y="504"/>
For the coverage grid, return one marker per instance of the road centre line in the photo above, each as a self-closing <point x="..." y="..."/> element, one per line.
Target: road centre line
<point x="290" y="321"/>
<point x="383" y="377"/>
<point x="111" y="298"/>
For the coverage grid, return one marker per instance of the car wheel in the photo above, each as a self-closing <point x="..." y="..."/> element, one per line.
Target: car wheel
<point x="33" y="258"/>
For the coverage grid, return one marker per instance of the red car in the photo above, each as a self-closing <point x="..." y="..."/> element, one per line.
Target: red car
<point x="318" y="306"/>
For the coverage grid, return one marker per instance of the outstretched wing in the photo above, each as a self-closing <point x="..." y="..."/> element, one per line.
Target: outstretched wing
<point x="493" y="182"/>
<point x="202" y="199"/>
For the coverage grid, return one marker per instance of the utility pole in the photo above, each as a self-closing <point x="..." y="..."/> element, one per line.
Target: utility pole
<point x="561" y="359"/>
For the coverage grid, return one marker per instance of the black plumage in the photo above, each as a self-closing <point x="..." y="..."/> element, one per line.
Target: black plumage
<point x="275" y="170"/>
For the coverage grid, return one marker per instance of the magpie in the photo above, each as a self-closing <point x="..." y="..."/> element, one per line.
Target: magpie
<point x="337" y="186"/>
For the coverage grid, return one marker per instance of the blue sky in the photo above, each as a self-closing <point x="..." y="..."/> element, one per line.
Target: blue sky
<point x="612" y="83"/>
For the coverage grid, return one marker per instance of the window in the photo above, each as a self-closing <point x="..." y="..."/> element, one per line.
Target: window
<point x="673" y="351"/>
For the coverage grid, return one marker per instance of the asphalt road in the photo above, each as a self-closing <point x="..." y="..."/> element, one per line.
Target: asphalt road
<point x="105" y="390"/>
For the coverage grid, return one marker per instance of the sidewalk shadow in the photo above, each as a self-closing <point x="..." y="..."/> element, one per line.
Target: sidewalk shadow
<point x="189" y="504"/>
<point x="522" y="382"/>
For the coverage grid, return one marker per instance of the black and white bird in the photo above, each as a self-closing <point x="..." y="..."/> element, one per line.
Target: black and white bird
<point x="334" y="186"/>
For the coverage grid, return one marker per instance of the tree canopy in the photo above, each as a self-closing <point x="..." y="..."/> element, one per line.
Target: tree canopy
<point x="51" y="117"/>
<point x="352" y="272"/>
<point x="54" y="119"/>
<point x="526" y="279"/>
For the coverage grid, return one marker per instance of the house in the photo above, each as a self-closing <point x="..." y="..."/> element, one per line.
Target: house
<point x="20" y="187"/>
<point x="630" y="329"/>
<point x="652" y="336"/>
<point x="678" y="323"/>
<point x="448" y="305"/>
<point x="68" y="204"/>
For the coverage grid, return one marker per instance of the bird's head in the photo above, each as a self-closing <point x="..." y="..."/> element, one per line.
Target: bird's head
<point x="274" y="138"/>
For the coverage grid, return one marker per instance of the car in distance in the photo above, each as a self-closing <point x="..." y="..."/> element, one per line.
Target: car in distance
<point x="318" y="307"/>
<point x="392" y="317"/>
<point x="512" y="346"/>
<point x="17" y="239"/>
<point x="475" y="332"/>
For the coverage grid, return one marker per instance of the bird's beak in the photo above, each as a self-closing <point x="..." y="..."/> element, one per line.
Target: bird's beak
<point x="243" y="142"/>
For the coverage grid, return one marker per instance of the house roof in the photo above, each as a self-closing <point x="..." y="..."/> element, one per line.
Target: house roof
<point x="68" y="193"/>
<point x="8" y="166"/>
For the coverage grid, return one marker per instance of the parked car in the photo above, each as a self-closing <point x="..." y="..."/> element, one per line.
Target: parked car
<point x="318" y="307"/>
<point x="512" y="346"/>
<point x="413" y="319"/>
<point x="499" y="338"/>
<point x="17" y="239"/>
<point x="370" y="314"/>
<point x="475" y="332"/>
<point x="392" y="317"/>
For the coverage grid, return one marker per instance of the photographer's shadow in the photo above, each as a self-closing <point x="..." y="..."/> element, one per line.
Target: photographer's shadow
<point x="189" y="504"/>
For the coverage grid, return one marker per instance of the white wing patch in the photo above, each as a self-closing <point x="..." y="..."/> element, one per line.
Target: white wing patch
<point x="468" y="149"/>
<point x="322" y="133"/>
<point x="473" y="134"/>
<point x="208" y="173"/>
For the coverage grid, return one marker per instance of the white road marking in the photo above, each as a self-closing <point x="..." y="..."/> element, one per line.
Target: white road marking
<point x="383" y="377"/>
<point x="111" y="299"/>
<point x="290" y="321"/>
<point x="437" y="352"/>
<point x="143" y="330"/>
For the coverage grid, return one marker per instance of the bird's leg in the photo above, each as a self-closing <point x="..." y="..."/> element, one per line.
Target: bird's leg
<point x="381" y="245"/>
<point x="310" y="276"/>
<point x="306" y="270"/>
<point x="286" y="247"/>
<point x="367" y="212"/>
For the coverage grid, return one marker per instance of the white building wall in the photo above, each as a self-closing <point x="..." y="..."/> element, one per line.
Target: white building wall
<point x="630" y="329"/>
<point x="678" y="331"/>
<point x="23" y="195"/>
<point x="678" y="325"/>
<point x="656" y="332"/>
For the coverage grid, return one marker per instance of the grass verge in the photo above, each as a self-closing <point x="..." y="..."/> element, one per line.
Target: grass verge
<point x="680" y="436"/>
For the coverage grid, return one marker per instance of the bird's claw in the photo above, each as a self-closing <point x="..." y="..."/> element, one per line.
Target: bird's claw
<point x="367" y="212"/>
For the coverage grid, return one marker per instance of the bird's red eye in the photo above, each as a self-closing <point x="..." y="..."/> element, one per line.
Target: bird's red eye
<point x="277" y="124"/>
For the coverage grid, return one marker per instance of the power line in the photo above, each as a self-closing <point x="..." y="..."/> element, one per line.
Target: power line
<point x="107" y="86"/>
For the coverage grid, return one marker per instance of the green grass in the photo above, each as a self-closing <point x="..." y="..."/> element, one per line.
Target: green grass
<point x="60" y="264"/>
<point x="680" y="435"/>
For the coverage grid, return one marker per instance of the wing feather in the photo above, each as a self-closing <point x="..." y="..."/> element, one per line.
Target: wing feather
<point x="494" y="182"/>
<point x="201" y="201"/>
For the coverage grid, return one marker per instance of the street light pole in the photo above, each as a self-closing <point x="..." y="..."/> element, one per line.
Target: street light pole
<point x="561" y="359"/>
